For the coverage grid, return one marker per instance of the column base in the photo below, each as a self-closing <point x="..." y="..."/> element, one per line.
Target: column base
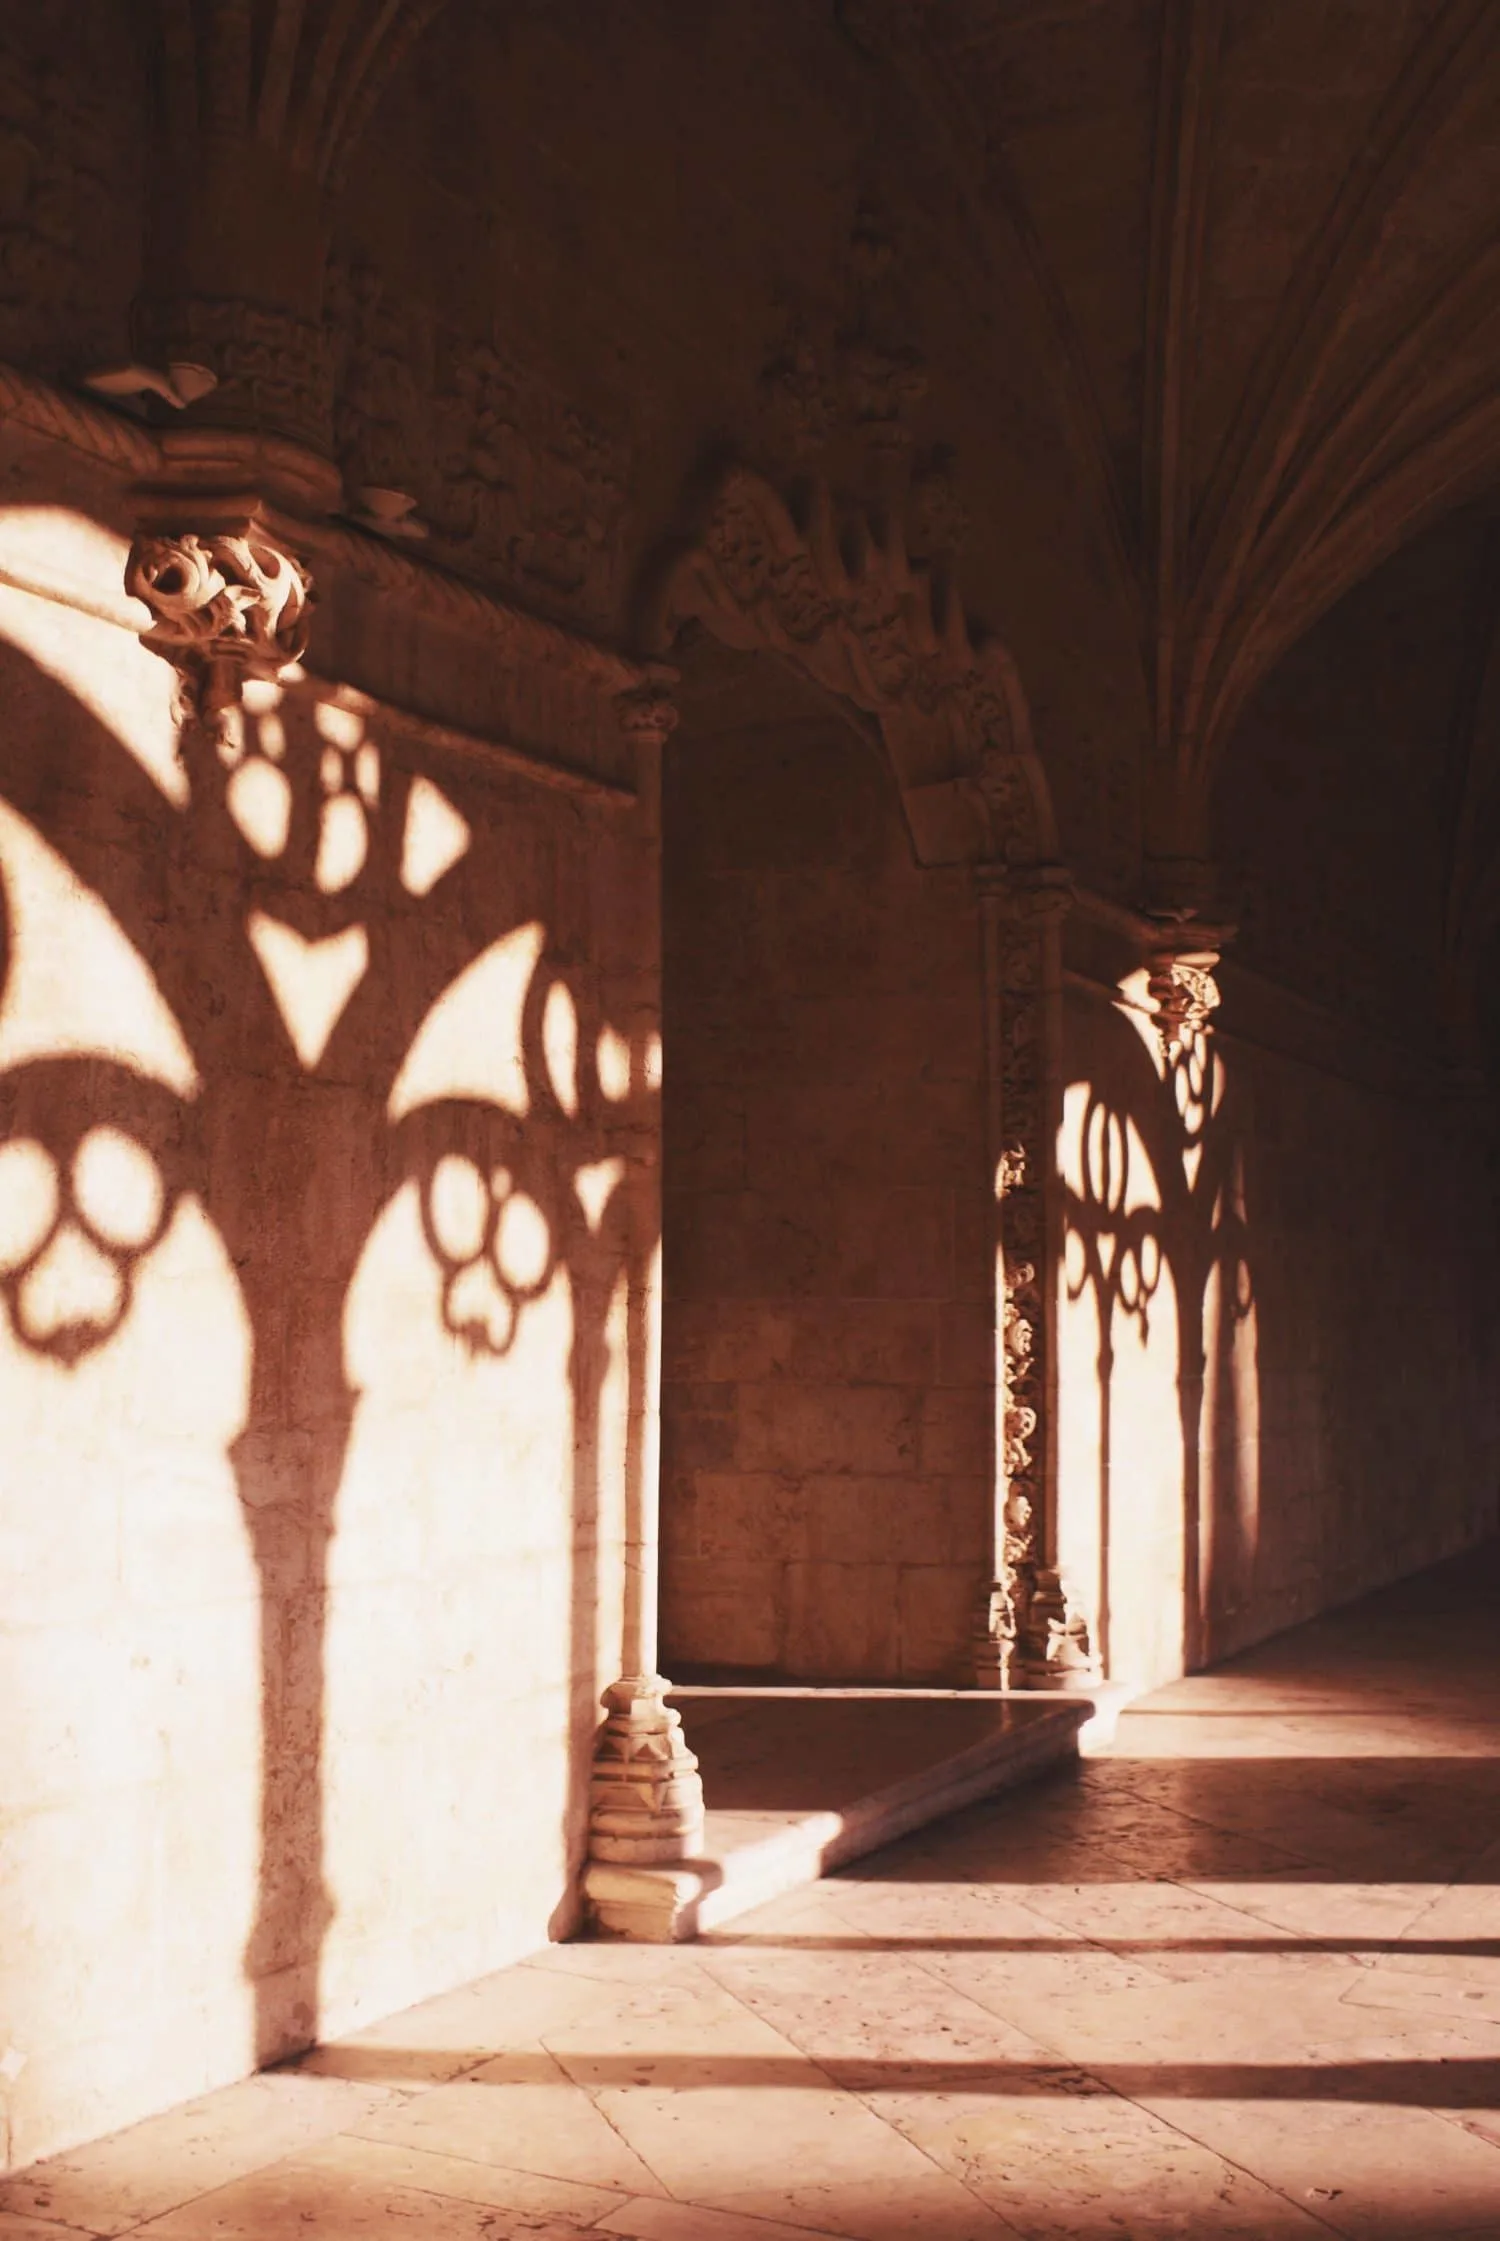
<point x="1031" y="1637"/>
<point x="646" y="1801"/>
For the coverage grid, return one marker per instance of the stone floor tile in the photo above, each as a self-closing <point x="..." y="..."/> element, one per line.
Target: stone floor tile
<point x="704" y="2119"/>
<point x="349" y="2159"/>
<point x="604" y="1962"/>
<point x="1070" y="2161"/>
<point x="841" y="2006"/>
<point x="1227" y="1995"/>
<point x="1313" y="1908"/>
<point x="290" y="2203"/>
<point x="1370" y="2168"/>
<point x="16" y="2227"/>
<point x="115" y="2183"/>
<point x="522" y="2112"/>
<point x="649" y="2220"/>
<point x="679" y="2025"/>
<point x="445" y="2038"/>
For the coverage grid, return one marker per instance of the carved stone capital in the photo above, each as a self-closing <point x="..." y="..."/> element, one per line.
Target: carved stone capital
<point x="223" y="607"/>
<point x="646" y="1801"/>
<point x="647" y="712"/>
<point x="1181" y="959"/>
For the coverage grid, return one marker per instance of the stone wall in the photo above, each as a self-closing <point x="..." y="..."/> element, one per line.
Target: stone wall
<point x="826" y="1407"/>
<point x="327" y="1235"/>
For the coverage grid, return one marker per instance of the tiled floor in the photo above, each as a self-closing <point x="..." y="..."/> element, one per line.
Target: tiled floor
<point x="1239" y="1978"/>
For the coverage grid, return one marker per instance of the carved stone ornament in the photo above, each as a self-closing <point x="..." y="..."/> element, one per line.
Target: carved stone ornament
<point x="223" y="608"/>
<point x="646" y="1800"/>
<point x="841" y="599"/>
<point x="1181" y="984"/>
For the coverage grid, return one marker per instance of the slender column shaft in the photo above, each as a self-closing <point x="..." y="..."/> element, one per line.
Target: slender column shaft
<point x="646" y="1800"/>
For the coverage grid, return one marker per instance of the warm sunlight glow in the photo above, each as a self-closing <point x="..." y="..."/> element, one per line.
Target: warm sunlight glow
<point x="312" y="982"/>
<point x="73" y="1288"/>
<point x="130" y="1621"/>
<point x="342" y="727"/>
<point x="437" y="836"/>
<point x="595" y="1186"/>
<point x="459" y="1206"/>
<point x="469" y="1045"/>
<point x="343" y="843"/>
<point x="76" y="985"/>
<point x="1137" y="1006"/>
<point x="613" y="1060"/>
<point x="522" y="1241"/>
<point x="92" y="648"/>
<point x="117" y="1189"/>
<point x="1120" y="1463"/>
<point x="28" y="1200"/>
<point x="560" y="1045"/>
<point x="260" y="802"/>
<point x="450" y="1597"/>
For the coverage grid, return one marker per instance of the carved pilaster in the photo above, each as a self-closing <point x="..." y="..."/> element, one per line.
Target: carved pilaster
<point x="1028" y="1635"/>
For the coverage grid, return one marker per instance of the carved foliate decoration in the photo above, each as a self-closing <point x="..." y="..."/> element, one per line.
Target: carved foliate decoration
<point x="223" y="608"/>
<point x="1180" y="967"/>
<point x="843" y="600"/>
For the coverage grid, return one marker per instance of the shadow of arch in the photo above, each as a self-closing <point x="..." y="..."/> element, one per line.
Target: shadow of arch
<point x="294" y="1161"/>
<point x="1157" y="1230"/>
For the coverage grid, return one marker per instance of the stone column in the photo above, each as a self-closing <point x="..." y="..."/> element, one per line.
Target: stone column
<point x="1028" y="1635"/>
<point x="646" y="1801"/>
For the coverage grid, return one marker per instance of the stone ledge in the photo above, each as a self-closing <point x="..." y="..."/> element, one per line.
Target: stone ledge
<point x="801" y="1781"/>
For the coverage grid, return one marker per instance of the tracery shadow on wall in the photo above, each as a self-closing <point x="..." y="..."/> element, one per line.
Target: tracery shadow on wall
<point x="355" y="1013"/>
<point x="1159" y="1490"/>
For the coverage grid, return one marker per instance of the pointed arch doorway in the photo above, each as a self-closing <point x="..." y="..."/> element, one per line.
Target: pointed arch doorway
<point x="861" y="897"/>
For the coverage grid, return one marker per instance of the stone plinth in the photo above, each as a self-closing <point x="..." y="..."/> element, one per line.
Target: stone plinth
<point x="803" y="1781"/>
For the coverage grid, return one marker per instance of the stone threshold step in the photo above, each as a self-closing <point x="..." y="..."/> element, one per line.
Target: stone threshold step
<point x="799" y="1781"/>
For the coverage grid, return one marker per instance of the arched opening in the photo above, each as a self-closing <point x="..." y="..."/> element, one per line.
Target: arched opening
<point x="828" y="1354"/>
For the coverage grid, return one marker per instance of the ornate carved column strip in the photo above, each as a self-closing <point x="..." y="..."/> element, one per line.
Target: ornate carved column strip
<point x="1028" y="1635"/>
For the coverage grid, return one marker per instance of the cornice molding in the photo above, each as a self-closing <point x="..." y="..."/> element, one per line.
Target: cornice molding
<point x="109" y="440"/>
